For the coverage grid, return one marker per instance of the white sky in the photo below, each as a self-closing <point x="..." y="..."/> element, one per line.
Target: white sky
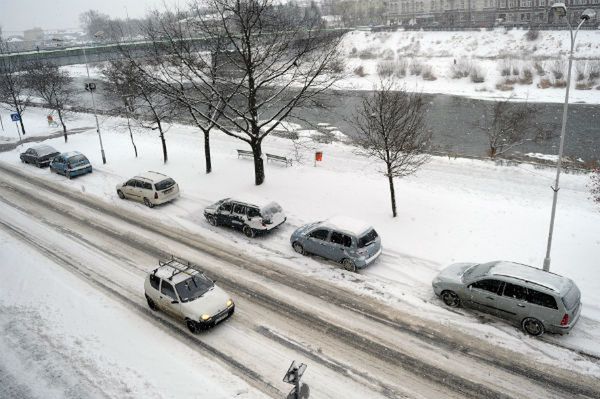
<point x="18" y="15"/>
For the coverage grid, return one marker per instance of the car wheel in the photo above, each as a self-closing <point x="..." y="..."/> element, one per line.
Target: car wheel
<point x="192" y="326"/>
<point x="22" y="160"/>
<point x="212" y="220"/>
<point x="248" y="231"/>
<point x="38" y="164"/>
<point x="68" y="175"/>
<point x="151" y="303"/>
<point x="148" y="203"/>
<point x="298" y="248"/>
<point x="349" y="265"/>
<point x="451" y="299"/>
<point x="533" y="326"/>
<point x="120" y="194"/>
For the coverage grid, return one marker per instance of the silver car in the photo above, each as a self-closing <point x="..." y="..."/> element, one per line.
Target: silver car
<point x="352" y="243"/>
<point x="536" y="300"/>
<point x="151" y="188"/>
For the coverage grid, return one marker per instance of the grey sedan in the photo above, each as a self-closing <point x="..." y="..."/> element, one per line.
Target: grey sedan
<point x="536" y="300"/>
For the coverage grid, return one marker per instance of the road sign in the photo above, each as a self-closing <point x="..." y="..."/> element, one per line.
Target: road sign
<point x="15" y="117"/>
<point x="294" y="372"/>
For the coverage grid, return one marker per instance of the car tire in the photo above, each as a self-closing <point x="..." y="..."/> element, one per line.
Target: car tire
<point x="38" y="164"/>
<point x="192" y="326"/>
<point x="298" y="248"/>
<point x="151" y="304"/>
<point x="23" y="161"/>
<point x="120" y="194"/>
<point x="533" y="326"/>
<point x="349" y="265"/>
<point x="212" y="220"/>
<point x="68" y="175"/>
<point x="248" y="231"/>
<point x="148" y="203"/>
<point x="451" y="299"/>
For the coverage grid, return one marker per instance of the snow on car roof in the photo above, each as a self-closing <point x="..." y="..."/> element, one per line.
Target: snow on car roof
<point x="167" y="271"/>
<point x="347" y="224"/>
<point x="531" y="274"/>
<point x="44" y="149"/>
<point x="70" y="154"/>
<point x="256" y="201"/>
<point x="153" y="176"/>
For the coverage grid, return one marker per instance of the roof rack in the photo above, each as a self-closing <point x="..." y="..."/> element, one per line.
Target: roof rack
<point x="179" y="265"/>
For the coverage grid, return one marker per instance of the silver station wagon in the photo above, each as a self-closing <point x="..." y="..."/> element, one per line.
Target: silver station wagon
<point x="353" y="243"/>
<point x="536" y="300"/>
<point x="151" y="188"/>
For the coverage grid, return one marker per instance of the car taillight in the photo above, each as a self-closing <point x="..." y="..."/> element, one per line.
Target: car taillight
<point x="565" y="320"/>
<point x="155" y="195"/>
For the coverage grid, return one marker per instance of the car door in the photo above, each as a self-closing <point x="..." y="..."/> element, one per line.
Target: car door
<point x="59" y="165"/>
<point x="131" y="189"/>
<point x="238" y="215"/>
<point x="316" y="242"/>
<point x="338" y="247"/>
<point x="141" y="191"/>
<point x="33" y="156"/>
<point x="168" y="300"/>
<point x="484" y="294"/>
<point x="512" y="304"/>
<point x="224" y="213"/>
<point x="542" y="306"/>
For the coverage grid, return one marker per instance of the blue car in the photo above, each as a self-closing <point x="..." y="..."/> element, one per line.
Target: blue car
<point x="71" y="164"/>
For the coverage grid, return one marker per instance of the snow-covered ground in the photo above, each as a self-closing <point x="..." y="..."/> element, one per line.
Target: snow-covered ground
<point x="486" y="50"/>
<point x="453" y="210"/>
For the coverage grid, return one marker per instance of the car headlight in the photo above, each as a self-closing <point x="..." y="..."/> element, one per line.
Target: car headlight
<point x="436" y="281"/>
<point x="229" y="303"/>
<point x="205" y="317"/>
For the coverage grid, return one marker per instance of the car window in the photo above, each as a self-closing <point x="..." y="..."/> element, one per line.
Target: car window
<point x="78" y="160"/>
<point x="163" y="185"/>
<point x="488" y="285"/>
<point x="33" y="152"/>
<point x="341" y="239"/>
<point x="139" y="184"/>
<point x="319" y="234"/>
<point x="253" y="212"/>
<point x="367" y="238"/>
<point x="131" y="183"/>
<point x="572" y="298"/>
<point x="167" y="289"/>
<point x="226" y="207"/>
<point x="540" y="298"/>
<point x="29" y="151"/>
<point x="154" y="281"/>
<point x="239" y="209"/>
<point x="147" y="186"/>
<point x="515" y="291"/>
<point x="194" y="287"/>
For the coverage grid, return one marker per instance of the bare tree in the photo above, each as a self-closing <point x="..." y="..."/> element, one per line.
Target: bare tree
<point x="13" y="93"/>
<point x="390" y="127"/>
<point x="274" y="63"/>
<point x="509" y="125"/>
<point x="53" y="86"/>
<point x="149" y="107"/>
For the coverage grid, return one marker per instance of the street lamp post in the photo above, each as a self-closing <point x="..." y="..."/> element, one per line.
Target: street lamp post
<point x="561" y="11"/>
<point x="91" y="87"/>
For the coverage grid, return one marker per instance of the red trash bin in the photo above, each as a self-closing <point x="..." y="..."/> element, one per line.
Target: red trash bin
<point x="319" y="156"/>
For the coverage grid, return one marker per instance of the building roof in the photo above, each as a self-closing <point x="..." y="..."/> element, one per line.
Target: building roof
<point x="347" y="224"/>
<point x="531" y="274"/>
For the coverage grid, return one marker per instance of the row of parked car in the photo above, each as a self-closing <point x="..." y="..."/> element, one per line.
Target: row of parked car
<point x="536" y="300"/>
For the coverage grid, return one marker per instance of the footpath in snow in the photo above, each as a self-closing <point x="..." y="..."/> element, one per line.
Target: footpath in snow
<point x="453" y="210"/>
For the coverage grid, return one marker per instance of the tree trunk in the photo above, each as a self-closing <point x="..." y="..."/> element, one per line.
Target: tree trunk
<point x="259" y="168"/>
<point x="207" y="151"/>
<point x="62" y="122"/>
<point x="130" y="132"/>
<point x="22" y="125"/>
<point x="392" y="191"/>
<point x="163" y="142"/>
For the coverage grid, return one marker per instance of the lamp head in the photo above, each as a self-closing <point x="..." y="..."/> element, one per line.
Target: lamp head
<point x="560" y="9"/>
<point x="588" y="14"/>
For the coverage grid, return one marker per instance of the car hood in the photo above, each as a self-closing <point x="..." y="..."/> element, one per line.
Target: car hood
<point x="212" y="208"/>
<point x="211" y="303"/>
<point x="453" y="273"/>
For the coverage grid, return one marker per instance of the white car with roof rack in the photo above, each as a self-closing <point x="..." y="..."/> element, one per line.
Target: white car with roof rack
<point x="351" y="242"/>
<point x="151" y="188"/>
<point x="182" y="290"/>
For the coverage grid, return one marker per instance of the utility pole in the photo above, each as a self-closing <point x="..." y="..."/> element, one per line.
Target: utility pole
<point x="90" y="86"/>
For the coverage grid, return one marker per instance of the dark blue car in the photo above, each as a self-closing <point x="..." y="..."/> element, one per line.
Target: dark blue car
<point x="71" y="164"/>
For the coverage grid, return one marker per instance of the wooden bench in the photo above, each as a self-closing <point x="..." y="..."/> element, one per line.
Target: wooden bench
<point x="244" y="153"/>
<point x="278" y="158"/>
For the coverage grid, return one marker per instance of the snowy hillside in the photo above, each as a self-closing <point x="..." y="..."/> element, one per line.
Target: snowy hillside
<point x="490" y="64"/>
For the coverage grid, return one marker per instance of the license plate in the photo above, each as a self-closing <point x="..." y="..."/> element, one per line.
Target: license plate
<point x="221" y="318"/>
<point x="167" y="191"/>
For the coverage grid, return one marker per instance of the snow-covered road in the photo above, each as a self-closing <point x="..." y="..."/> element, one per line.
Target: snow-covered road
<point x="355" y="346"/>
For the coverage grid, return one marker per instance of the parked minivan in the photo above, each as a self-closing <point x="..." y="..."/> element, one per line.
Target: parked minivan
<point x="151" y="188"/>
<point x="536" y="300"/>
<point x="71" y="164"/>
<point x="353" y="243"/>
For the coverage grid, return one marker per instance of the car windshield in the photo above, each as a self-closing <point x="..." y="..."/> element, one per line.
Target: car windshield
<point x="271" y="209"/>
<point x="477" y="271"/>
<point x="367" y="238"/>
<point x="571" y="300"/>
<point x="163" y="185"/>
<point x="194" y="287"/>
<point x="77" y="160"/>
